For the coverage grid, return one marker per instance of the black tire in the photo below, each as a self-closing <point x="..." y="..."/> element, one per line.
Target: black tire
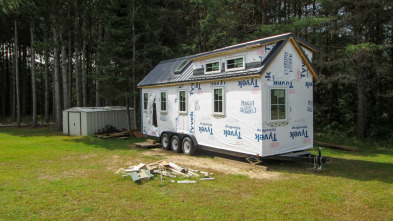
<point x="188" y="146"/>
<point x="165" y="143"/>
<point x="175" y="144"/>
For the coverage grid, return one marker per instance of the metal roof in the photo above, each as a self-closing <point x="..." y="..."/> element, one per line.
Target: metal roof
<point x="164" y="72"/>
<point x="97" y="109"/>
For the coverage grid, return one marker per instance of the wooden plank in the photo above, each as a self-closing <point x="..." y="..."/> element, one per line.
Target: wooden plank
<point x="135" y="177"/>
<point x="203" y="179"/>
<point x="186" y="181"/>
<point x="148" y="173"/>
<point x="144" y="175"/>
<point x="176" y="167"/>
<point x="150" y="141"/>
<point x="146" y="145"/>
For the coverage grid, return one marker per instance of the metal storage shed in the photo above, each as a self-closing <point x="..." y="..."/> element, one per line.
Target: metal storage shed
<point x="84" y="121"/>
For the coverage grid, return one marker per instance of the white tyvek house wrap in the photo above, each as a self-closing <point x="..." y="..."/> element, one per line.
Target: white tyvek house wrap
<point x="289" y="71"/>
<point x="246" y="127"/>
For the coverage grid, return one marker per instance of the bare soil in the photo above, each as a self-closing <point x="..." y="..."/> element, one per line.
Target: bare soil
<point x="216" y="163"/>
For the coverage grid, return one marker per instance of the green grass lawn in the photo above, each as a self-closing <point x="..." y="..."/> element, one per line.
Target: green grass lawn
<point x="45" y="175"/>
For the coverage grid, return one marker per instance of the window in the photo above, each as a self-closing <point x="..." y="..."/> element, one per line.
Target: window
<point x="212" y="67"/>
<point x="218" y="101"/>
<point x="182" y="102"/>
<point x="145" y="98"/>
<point x="163" y="101"/>
<point x="182" y="66"/>
<point x="278" y="104"/>
<point x="235" y="64"/>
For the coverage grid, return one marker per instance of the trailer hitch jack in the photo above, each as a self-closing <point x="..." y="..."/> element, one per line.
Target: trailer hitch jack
<point x="318" y="160"/>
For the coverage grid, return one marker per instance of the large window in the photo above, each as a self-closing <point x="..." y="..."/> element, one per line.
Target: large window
<point x="145" y="98"/>
<point x="163" y="101"/>
<point x="212" y="67"/>
<point x="278" y="104"/>
<point x="218" y="101"/>
<point x="182" y="102"/>
<point x="235" y="63"/>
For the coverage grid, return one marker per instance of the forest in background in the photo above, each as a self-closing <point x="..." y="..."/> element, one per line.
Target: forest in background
<point x="59" y="54"/>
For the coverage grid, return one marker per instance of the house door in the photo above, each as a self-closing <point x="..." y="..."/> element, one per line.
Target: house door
<point x="74" y="123"/>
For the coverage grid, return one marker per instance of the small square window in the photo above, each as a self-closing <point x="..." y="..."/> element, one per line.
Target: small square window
<point x="163" y="101"/>
<point x="235" y="64"/>
<point x="182" y="102"/>
<point x="212" y="67"/>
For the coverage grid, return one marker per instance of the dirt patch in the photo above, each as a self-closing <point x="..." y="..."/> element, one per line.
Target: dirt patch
<point x="212" y="162"/>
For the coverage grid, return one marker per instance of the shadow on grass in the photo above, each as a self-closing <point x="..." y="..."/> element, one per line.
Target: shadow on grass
<point x="28" y="131"/>
<point x="110" y="144"/>
<point x="337" y="167"/>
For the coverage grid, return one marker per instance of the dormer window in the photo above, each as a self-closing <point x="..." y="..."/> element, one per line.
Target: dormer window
<point x="181" y="67"/>
<point x="212" y="67"/>
<point x="234" y="64"/>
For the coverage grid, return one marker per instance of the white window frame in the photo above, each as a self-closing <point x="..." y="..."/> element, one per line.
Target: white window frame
<point x="147" y="101"/>
<point x="185" y="95"/>
<point x="223" y="102"/>
<point x="210" y="62"/>
<point x="270" y="104"/>
<point x="233" y="58"/>
<point x="166" y="102"/>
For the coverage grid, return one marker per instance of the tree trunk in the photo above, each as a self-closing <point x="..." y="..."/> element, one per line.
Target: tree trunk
<point x="77" y="58"/>
<point x="56" y="77"/>
<point x="46" y="58"/>
<point x="99" y="67"/>
<point x="64" y="71"/>
<point x="33" y="81"/>
<point x="263" y="11"/>
<point x="24" y="79"/>
<point x="133" y="57"/>
<point x="14" y="103"/>
<point x="69" y="74"/>
<point x="84" y="64"/>
<point x="128" y="114"/>
<point x="17" y="80"/>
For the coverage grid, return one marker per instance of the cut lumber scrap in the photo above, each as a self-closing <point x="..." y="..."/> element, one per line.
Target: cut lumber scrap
<point x="144" y="175"/>
<point x="150" y="141"/>
<point x="148" y="173"/>
<point x="186" y="181"/>
<point x="176" y="167"/>
<point x="135" y="177"/>
<point x="146" y="145"/>
<point x="334" y="146"/>
<point x="210" y="178"/>
<point x="178" y="172"/>
<point x="192" y="173"/>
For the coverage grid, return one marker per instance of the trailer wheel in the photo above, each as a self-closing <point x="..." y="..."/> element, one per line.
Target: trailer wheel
<point x="188" y="146"/>
<point x="165" y="141"/>
<point x="175" y="144"/>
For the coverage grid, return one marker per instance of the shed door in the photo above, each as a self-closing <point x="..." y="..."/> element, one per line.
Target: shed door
<point x="74" y="120"/>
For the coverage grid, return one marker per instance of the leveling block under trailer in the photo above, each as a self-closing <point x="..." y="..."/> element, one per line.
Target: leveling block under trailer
<point x="188" y="144"/>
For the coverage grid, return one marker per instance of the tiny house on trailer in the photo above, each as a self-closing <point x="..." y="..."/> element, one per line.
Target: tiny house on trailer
<point x="250" y="99"/>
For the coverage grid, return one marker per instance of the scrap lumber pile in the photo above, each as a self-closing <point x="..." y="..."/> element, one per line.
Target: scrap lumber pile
<point x="163" y="170"/>
<point x="110" y="131"/>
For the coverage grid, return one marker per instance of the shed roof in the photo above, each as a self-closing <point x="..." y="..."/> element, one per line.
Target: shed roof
<point x="97" y="109"/>
<point x="165" y="71"/>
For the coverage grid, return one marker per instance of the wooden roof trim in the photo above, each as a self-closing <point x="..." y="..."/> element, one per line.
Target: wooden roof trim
<point x="232" y="51"/>
<point x="304" y="57"/>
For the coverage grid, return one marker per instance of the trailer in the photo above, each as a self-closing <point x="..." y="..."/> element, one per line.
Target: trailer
<point x="253" y="99"/>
